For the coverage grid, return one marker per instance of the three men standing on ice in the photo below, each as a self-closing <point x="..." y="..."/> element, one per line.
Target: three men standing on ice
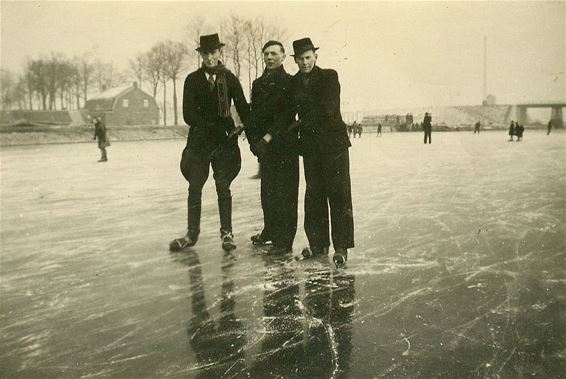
<point x="319" y="134"/>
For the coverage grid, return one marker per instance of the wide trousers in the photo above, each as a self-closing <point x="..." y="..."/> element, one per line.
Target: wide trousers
<point x="427" y="136"/>
<point x="279" y="197"/>
<point x="195" y="166"/>
<point x="328" y="186"/>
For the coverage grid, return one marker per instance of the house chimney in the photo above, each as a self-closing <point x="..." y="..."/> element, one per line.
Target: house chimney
<point x="135" y="84"/>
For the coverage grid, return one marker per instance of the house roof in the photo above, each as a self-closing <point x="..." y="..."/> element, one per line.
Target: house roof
<point x="106" y="100"/>
<point x="111" y="93"/>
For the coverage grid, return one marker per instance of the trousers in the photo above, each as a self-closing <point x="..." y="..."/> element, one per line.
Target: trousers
<point x="328" y="186"/>
<point x="279" y="197"/>
<point x="427" y="135"/>
<point x="195" y="167"/>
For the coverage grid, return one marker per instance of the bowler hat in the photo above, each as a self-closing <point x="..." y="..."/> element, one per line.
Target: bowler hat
<point x="209" y="42"/>
<point x="302" y="45"/>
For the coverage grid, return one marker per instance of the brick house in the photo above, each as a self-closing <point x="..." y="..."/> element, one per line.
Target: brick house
<point x="124" y="106"/>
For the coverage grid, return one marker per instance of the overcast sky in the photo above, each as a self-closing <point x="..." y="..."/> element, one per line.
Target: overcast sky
<point x="387" y="54"/>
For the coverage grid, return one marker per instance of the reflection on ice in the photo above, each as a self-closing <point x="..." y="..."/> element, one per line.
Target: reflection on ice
<point x="458" y="269"/>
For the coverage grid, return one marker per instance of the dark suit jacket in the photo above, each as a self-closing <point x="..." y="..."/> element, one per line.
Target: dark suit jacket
<point x="272" y="110"/>
<point x="318" y="104"/>
<point x="427" y="123"/>
<point x="100" y="133"/>
<point x="200" y="110"/>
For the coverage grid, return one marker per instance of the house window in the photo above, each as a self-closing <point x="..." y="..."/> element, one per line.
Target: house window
<point x="125" y="103"/>
<point x="145" y="103"/>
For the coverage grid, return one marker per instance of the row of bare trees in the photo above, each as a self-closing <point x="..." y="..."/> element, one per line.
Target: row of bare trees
<point x="57" y="82"/>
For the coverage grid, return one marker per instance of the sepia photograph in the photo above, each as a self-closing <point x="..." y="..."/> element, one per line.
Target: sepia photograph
<point x="282" y="189"/>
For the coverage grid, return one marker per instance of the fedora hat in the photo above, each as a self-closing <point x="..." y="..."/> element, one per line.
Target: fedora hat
<point x="302" y="45"/>
<point x="209" y="42"/>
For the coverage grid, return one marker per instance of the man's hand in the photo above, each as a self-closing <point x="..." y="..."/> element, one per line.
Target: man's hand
<point x="260" y="148"/>
<point x="235" y="132"/>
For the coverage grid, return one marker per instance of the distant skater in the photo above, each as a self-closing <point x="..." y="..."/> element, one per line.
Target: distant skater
<point x="511" y="131"/>
<point x="427" y="127"/>
<point x="378" y="130"/>
<point x="549" y="126"/>
<point x="100" y="133"/>
<point x="360" y="130"/>
<point x="519" y="129"/>
<point x="355" y="128"/>
<point x="477" y="128"/>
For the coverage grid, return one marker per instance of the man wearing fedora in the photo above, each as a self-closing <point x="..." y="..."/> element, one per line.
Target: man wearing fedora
<point x="275" y="145"/>
<point x="324" y="145"/>
<point x="207" y="96"/>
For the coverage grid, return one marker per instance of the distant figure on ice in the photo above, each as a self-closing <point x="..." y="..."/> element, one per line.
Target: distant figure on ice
<point x="549" y="127"/>
<point x="360" y="130"/>
<point x="519" y="129"/>
<point x="276" y="147"/>
<point x="207" y="96"/>
<point x="378" y="130"/>
<point x="324" y="145"/>
<point x="355" y="128"/>
<point x="511" y="130"/>
<point x="350" y="128"/>
<point x="477" y="128"/>
<point x="427" y="127"/>
<point x="100" y="133"/>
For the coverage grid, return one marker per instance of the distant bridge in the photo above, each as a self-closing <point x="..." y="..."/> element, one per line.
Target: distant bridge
<point x="557" y="116"/>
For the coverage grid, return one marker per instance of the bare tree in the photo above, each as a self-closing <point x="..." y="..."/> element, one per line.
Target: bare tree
<point x="36" y="72"/>
<point x="254" y="31"/>
<point x="175" y="56"/>
<point x="156" y="70"/>
<point x="7" y="85"/>
<point x="276" y="33"/>
<point x="85" y="71"/>
<point x="21" y="93"/>
<point x="235" y="42"/>
<point x="151" y="69"/>
<point x="195" y="28"/>
<point x="106" y="75"/>
<point x="53" y="67"/>
<point x="137" y="68"/>
<point x="65" y="73"/>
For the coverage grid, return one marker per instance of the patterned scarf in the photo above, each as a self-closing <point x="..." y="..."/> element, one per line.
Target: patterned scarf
<point x="222" y="88"/>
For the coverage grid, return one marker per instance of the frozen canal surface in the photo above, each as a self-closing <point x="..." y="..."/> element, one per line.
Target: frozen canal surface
<point x="458" y="270"/>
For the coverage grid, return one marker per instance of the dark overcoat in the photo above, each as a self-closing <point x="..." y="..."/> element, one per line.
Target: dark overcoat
<point x="100" y="134"/>
<point x="272" y="110"/>
<point x="207" y="129"/>
<point x="322" y="129"/>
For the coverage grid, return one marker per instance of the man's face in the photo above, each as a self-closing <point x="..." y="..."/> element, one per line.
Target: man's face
<point x="306" y="61"/>
<point x="273" y="57"/>
<point x="210" y="58"/>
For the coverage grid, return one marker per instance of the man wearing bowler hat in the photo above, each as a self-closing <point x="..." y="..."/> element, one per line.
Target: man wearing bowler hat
<point x="324" y="144"/>
<point x="275" y="144"/>
<point x="207" y="96"/>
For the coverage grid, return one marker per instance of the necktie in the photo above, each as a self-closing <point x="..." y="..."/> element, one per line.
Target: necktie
<point x="211" y="82"/>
